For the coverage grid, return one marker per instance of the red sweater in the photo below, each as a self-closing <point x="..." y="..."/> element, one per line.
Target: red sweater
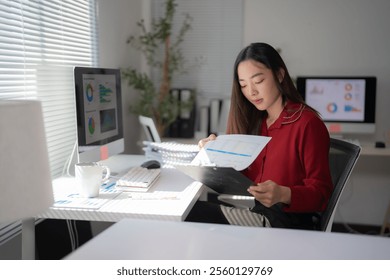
<point x="296" y="157"/>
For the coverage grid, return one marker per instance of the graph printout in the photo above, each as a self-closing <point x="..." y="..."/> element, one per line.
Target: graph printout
<point x="232" y="150"/>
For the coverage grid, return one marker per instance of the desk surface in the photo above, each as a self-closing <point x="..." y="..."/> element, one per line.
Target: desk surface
<point x="370" y="150"/>
<point x="182" y="194"/>
<point x="154" y="240"/>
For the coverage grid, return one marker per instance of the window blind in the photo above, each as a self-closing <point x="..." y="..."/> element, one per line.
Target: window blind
<point x="40" y="43"/>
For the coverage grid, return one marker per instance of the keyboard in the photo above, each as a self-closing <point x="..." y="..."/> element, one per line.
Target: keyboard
<point x="138" y="179"/>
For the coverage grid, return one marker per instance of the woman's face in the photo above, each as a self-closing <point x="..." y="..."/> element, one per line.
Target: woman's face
<point x="258" y="85"/>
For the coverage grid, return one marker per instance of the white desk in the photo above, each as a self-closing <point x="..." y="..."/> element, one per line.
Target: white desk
<point x="156" y="240"/>
<point x="122" y="206"/>
<point x="370" y="150"/>
<point x="367" y="195"/>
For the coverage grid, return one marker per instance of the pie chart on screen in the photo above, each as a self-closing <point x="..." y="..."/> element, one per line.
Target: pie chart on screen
<point x="89" y="93"/>
<point x="91" y="125"/>
<point x="331" y="108"/>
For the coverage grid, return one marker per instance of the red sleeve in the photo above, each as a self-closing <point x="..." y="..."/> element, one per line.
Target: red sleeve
<point x="317" y="186"/>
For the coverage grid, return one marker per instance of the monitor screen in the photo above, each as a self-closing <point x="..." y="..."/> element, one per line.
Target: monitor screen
<point x="346" y="104"/>
<point x="99" y="112"/>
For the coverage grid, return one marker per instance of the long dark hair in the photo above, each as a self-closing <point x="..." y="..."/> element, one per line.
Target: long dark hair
<point x="244" y="117"/>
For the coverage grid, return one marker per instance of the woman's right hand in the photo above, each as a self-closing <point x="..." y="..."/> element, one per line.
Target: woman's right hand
<point x="203" y="141"/>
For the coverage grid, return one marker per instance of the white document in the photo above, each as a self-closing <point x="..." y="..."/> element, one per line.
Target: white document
<point x="66" y="194"/>
<point x="231" y="150"/>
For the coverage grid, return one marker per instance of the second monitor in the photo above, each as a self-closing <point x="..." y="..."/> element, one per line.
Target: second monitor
<point x="346" y="104"/>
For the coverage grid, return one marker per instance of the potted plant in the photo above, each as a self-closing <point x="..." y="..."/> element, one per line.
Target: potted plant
<point x="162" y="51"/>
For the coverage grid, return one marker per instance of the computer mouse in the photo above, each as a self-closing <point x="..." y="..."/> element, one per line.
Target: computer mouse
<point x="380" y="144"/>
<point x="151" y="164"/>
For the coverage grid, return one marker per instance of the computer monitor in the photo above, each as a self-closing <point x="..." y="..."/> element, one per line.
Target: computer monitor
<point x="99" y="113"/>
<point x="346" y="104"/>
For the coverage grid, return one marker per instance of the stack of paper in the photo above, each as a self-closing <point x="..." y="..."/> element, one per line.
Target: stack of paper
<point x="170" y="153"/>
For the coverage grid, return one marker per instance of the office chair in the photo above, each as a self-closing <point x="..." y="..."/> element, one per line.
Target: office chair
<point x="342" y="159"/>
<point x="150" y="129"/>
<point x="386" y="222"/>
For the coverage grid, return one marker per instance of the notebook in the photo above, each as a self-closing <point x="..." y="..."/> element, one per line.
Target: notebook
<point x="223" y="180"/>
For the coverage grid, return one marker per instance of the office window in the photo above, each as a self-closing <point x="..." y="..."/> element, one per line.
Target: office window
<point x="40" y="43"/>
<point x="215" y="40"/>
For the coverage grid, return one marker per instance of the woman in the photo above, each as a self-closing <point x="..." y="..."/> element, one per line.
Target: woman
<point x="292" y="174"/>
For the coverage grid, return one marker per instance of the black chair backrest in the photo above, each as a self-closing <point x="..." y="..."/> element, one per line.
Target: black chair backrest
<point x="342" y="159"/>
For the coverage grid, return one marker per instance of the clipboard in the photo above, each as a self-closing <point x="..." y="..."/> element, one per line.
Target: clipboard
<point x="223" y="180"/>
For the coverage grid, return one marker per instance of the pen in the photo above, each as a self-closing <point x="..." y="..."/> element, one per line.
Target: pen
<point x="108" y="186"/>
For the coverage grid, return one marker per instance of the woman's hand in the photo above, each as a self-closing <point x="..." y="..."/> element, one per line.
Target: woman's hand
<point x="203" y="141"/>
<point x="269" y="193"/>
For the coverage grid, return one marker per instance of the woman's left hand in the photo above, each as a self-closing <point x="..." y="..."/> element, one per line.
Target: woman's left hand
<point x="203" y="142"/>
<point x="269" y="193"/>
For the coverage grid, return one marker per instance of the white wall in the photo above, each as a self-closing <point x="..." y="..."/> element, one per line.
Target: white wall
<point x="117" y="21"/>
<point x="333" y="37"/>
<point x="317" y="37"/>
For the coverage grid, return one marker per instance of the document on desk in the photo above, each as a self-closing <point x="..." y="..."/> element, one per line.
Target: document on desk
<point x="70" y="198"/>
<point x="232" y="150"/>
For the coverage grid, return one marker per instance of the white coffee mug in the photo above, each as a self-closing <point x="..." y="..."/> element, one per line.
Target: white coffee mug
<point x="89" y="177"/>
